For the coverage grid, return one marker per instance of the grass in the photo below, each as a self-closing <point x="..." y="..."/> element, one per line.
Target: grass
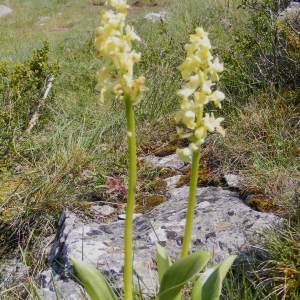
<point x="262" y="146"/>
<point x="46" y="170"/>
<point x="272" y="272"/>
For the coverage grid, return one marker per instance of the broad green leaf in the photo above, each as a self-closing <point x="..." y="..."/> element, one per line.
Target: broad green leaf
<point x="93" y="281"/>
<point x="180" y="272"/>
<point x="209" y="284"/>
<point x="163" y="260"/>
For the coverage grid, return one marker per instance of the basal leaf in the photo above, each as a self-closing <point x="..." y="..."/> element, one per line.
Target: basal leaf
<point x="163" y="260"/>
<point x="180" y="272"/>
<point x="93" y="281"/>
<point x="209" y="284"/>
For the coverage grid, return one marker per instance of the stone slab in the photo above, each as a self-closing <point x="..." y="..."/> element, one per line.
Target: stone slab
<point x="223" y="225"/>
<point x="5" y="10"/>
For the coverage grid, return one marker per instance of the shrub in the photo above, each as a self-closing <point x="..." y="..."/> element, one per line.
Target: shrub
<point x="20" y="89"/>
<point x="265" y="53"/>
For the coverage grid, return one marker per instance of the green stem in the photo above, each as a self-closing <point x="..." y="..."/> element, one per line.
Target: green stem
<point x="128" y="238"/>
<point x="191" y="204"/>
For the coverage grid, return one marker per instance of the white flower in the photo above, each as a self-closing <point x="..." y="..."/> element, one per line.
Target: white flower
<point x="185" y="92"/>
<point x="216" y="66"/>
<point x="193" y="147"/>
<point x="119" y="5"/>
<point x="201" y="133"/>
<point x="184" y="154"/>
<point x="194" y="81"/>
<point x="200" y="32"/>
<point x="217" y="97"/>
<point x="201" y="98"/>
<point x="189" y="119"/>
<point x="186" y="104"/>
<point x="206" y="87"/>
<point x="131" y="35"/>
<point x="211" y="123"/>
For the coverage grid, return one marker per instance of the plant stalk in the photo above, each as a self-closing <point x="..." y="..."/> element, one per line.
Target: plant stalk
<point x="191" y="204"/>
<point x="132" y="173"/>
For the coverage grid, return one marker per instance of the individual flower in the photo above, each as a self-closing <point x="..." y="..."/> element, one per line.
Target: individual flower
<point x="184" y="154"/>
<point x="217" y="97"/>
<point x="200" y="72"/>
<point x="120" y="5"/>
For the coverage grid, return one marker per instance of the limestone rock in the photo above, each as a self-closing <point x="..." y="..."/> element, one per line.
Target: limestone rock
<point x="171" y="181"/>
<point x="292" y="11"/>
<point x="55" y="288"/>
<point x="170" y="161"/>
<point x="12" y="271"/>
<point x="234" y="181"/>
<point x="104" y="210"/>
<point x="156" y="17"/>
<point x="5" y="10"/>
<point x="223" y="225"/>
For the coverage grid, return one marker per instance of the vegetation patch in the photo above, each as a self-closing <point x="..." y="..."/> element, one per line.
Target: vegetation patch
<point x="21" y="87"/>
<point x="273" y="272"/>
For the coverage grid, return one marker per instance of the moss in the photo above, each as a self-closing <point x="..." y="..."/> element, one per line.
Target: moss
<point x="206" y="176"/>
<point x="158" y="185"/>
<point x="165" y="150"/>
<point x="176" y="140"/>
<point x="261" y="203"/>
<point x="152" y="187"/>
<point x="254" y="191"/>
<point x="167" y="172"/>
<point x="147" y="203"/>
<point x="148" y="172"/>
<point x="84" y="204"/>
<point x="173" y="142"/>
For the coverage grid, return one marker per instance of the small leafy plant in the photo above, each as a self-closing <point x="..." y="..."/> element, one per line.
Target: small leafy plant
<point x="200" y="72"/>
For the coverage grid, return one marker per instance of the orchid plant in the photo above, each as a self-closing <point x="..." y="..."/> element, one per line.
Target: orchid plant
<point x="200" y="72"/>
<point x="114" y="43"/>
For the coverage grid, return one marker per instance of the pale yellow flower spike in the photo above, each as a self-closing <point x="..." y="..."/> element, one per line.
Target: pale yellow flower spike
<point x="200" y="72"/>
<point x="114" y="43"/>
<point x="120" y="5"/>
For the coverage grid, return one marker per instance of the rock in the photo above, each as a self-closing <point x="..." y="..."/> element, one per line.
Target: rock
<point x="65" y="225"/>
<point x="104" y="210"/>
<point x="170" y="161"/>
<point x="171" y="181"/>
<point x="226" y="23"/>
<point x="234" y="181"/>
<point x="55" y="288"/>
<point x="123" y="216"/>
<point x="5" y="10"/>
<point x="43" y="18"/>
<point x="223" y="225"/>
<point x="156" y="17"/>
<point x="12" y="271"/>
<point x="291" y="12"/>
